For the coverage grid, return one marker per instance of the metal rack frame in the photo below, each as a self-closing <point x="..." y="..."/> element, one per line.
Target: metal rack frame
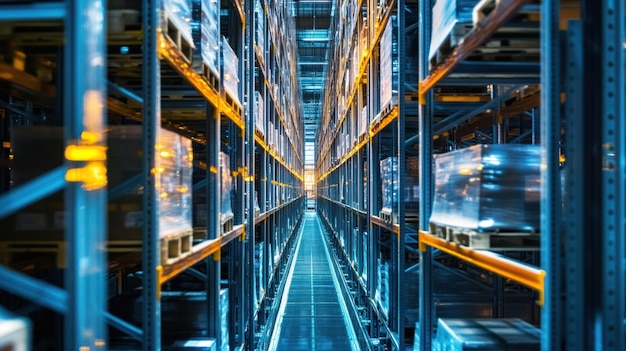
<point x="85" y="290"/>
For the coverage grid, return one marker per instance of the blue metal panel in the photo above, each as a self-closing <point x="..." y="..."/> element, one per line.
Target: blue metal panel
<point x="151" y="124"/>
<point x="26" y="194"/>
<point x="575" y="209"/>
<point x="44" y="11"/>
<point x="35" y="290"/>
<point x="84" y="93"/>
<point x="426" y="305"/>
<point x="550" y="179"/>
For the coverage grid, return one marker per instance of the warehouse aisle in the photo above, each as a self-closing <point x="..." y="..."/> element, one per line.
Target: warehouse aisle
<point x="311" y="315"/>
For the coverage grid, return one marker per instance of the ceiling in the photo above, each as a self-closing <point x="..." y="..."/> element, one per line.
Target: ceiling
<point x="313" y="21"/>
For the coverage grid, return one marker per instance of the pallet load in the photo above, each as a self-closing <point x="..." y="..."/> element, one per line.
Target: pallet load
<point x="389" y="184"/>
<point x="259" y="24"/>
<point x="510" y="334"/>
<point x="259" y="114"/>
<point x="175" y="24"/>
<point x="206" y="15"/>
<point x="14" y="332"/>
<point x="230" y="74"/>
<point x="387" y="67"/>
<point x="488" y="196"/>
<point x="226" y="208"/>
<point x="41" y="226"/>
<point x="451" y="22"/>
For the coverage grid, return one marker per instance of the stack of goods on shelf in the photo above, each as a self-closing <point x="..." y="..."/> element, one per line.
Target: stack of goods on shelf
<point x="259" y="113"/>
<point x="173" y="181"/>
<point x="230" y="71"/>
<point x="122" y="16"/>
<point x="411" y="187"/>
<point x="40" y="149"/>
<point x="226" y="209"/>
<point x="259" y="262"/>
<point x="260" y="24"/>
<point x="452" y="20"/>
<point x="389" y="184"/>
<point x="14" y="332"/>
<point x="486" y="334"/>
<point x="388" y="66"/>
<point x="206" y="15"/>
<point x="382" y="289"/>
<point x="224" y="320"/>
<point x="485" y="190"/>
<point x="176" y="24"/>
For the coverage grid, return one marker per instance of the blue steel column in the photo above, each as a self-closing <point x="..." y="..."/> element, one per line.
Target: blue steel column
<point x="426" y="310"/>
<point x="85" y="94"/>
<point x="574" y="189"/>
<point x="550" y="179"/>
<point x="151" y="123"/>
<point x="613" y="167"/>
<point x="249" y="163"/>
<point x="213" y="195"/>
<point x="401" y="170"/>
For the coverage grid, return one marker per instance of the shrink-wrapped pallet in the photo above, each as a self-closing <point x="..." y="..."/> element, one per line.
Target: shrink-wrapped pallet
<point x="226" y="209"/>
<point x="488" y="188"/>
<point x="230" y="71"/>
<point x="206" y="13"/>
<point x="259" y="112"/>
<point x="451" y="19"/>
<point x="507" y="334"/>
<point x="389" y="185"/>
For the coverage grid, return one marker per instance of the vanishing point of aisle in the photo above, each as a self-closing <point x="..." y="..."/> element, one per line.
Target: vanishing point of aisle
<point x="312" y="313"/>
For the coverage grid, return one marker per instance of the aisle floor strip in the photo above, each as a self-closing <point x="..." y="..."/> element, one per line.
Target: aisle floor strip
<point x="312" y="314"/>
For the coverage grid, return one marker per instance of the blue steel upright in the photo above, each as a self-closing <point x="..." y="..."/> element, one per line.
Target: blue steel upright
<point x="151" y="123"/>
<point x="84" y="98"/>
<point x="426" y="303"/>
<point x="550" y="178"/>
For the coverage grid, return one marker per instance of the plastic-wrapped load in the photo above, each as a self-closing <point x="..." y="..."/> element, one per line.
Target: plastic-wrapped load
<point x="389" y="184"/>
<point x="230" y="71"/>
<point x="488" y="188"/>
<point x="206" y="13"/>
<point x="382" y="290"/>
<point x="226" y="209"/>
<point x="260" y="24"/>
<point x="259" y="113"/>
<point x="507" y="334"/>
<point x="450" y="18"/>
<point x="258" y="267"/>
<point x="388" y="64"/>
<point x="173" y="182"/>
<point x="178" y="12"/>
<point x="411" y="186"/>
<point x="173" y="160"/>
<point x="224" y="311"/>
<point x="14" y="332"/>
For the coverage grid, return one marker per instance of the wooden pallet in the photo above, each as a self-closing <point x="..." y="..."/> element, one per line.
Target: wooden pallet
<point x="258" y="133"/>
<point x="173" y="33"/>
<point x="388" y="217"/>
<point x="450" y="42"/>
<point x="211" y="77"/>
<point x="230" y="101"/>
<point x="172" y="247"/>
<point x="496" y="241"/>
<point x="483" y="9"/>
<point x="176" y="246"/>
<point x="227" y="225"/>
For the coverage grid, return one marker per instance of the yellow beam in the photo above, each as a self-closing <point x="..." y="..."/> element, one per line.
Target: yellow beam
<point x="502" y="266"/>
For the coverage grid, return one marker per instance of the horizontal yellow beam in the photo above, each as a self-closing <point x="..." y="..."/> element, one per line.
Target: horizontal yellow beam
<point x="524" y="274"/>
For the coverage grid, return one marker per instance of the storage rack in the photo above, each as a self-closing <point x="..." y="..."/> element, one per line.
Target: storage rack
<point x="146" y="73"/>
<point x="499" y="102"/>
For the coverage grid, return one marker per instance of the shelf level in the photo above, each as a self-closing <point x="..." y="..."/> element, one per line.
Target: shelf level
<point x="503" y="12"/>
<point x="524" y="274"/>
<point x="198" y="253"/>
<point x="386" y="225"/>
<point x="171" y="54"/>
